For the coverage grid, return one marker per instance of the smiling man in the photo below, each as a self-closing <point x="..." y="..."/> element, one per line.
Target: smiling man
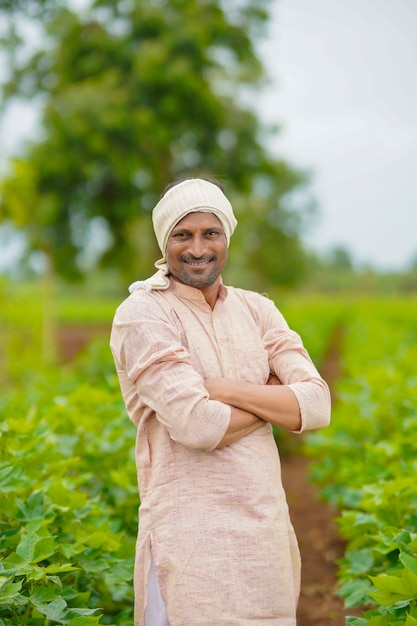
<point x="205" y="370"/>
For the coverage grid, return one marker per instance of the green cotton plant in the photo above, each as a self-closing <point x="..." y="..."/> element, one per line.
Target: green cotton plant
<point x="389" y="619"/>
<point x="379" y="549"/>
<point x="30" y="589"/>
<point x="365" y="462"/>
<point x="45" y="573"/>
<point x="398" y="588"/>
<point x="68" y="503"/>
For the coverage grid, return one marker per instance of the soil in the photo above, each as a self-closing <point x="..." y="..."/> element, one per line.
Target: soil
<point x="71" y="340"/>
<point x="314" y="523"/>
<point x="318" y="538"/>
<point x="320" y="547"/>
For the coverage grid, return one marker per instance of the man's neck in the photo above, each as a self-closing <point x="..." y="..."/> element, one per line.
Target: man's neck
<point x="210" y="293"/>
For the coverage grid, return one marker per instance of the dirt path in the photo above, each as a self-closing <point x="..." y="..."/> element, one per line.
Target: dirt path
<point x="318" y="537"/>
<point x="320" y="547"/>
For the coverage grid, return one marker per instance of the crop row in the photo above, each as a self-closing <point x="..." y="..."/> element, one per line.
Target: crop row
<point x="68" y="504"/>
<point x="68" y="507"/>
<point x="366" y="462"/>
<point x="68" y="495"/>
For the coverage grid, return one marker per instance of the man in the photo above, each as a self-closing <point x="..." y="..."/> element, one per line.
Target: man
<point x="215" y="543"/>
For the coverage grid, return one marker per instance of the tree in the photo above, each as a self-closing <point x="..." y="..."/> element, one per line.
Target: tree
<point x="135" y="93"/>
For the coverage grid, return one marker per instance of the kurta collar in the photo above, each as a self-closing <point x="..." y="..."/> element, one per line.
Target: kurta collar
<point x="184" y="291"/>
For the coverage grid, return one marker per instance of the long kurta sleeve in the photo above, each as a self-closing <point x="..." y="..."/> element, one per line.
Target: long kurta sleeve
<point x="149" y="356"/>
<point x="291" y="363"/>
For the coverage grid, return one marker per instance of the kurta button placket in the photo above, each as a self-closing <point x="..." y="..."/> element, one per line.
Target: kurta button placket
<point x="222" y="343"/>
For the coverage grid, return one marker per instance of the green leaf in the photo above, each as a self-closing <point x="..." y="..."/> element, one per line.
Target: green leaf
<point x="409" y="561"/>
<point x="401" y="585"/>
<point x="34" y="508"/>
<point x="410" y="621"/>
<point x="49" y="603"/>
<point x="378" y="620"/>
<point x="60" y="568"/>
<point x="103" y="539"/>
<point x="10" y="476"/>
<point x="43" y="595"/>
<point x="15" y="564"/>
<point x="33" y="548"/>
<point x="355" y="592"/>
<point x="365" y="519"/>
<point x="360" y="561"/>
<point x="402" y="582"/>
<point x="82" y="612"/>
<point x="409" y="579"/>
<point x="56" y="610"/>
<point x="10" y="591"/>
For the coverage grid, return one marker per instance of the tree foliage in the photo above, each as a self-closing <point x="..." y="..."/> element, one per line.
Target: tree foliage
<point x="135" y="93"/>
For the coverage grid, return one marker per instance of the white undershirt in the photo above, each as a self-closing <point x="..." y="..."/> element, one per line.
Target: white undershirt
<point x="155" y="614"/>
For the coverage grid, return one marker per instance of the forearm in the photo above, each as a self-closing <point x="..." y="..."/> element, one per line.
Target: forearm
<point x="275" y="404"/>
<point x="241" y="423"/>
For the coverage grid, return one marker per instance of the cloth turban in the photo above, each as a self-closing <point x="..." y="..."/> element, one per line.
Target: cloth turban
<point x="189" y="196"/>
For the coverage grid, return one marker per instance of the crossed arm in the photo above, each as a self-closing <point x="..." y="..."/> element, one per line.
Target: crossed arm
<point x="253" y="405"/>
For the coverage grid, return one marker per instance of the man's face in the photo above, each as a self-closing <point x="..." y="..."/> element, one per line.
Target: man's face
<point x="196" y="251"/>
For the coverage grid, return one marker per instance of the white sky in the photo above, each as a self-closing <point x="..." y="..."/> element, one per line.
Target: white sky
<point x="345" y="94"/>
<point x="344" y="91"/>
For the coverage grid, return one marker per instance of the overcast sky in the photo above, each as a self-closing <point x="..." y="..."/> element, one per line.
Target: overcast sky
<point x="345" y="92"/>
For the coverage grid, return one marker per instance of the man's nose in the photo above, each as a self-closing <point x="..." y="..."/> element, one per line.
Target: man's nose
<point x="197" y="247"/>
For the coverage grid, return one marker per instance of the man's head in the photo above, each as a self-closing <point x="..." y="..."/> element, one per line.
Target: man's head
<point x="199" y="209"/>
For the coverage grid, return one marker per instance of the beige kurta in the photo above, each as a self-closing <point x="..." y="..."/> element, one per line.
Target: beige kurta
<point x="216" y="521"/>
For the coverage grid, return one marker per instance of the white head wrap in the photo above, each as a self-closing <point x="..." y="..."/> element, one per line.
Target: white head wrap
<point x="189" y="196"/>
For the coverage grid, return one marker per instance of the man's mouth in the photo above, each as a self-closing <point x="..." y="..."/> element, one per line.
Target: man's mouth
<point x="199" y="263"/>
